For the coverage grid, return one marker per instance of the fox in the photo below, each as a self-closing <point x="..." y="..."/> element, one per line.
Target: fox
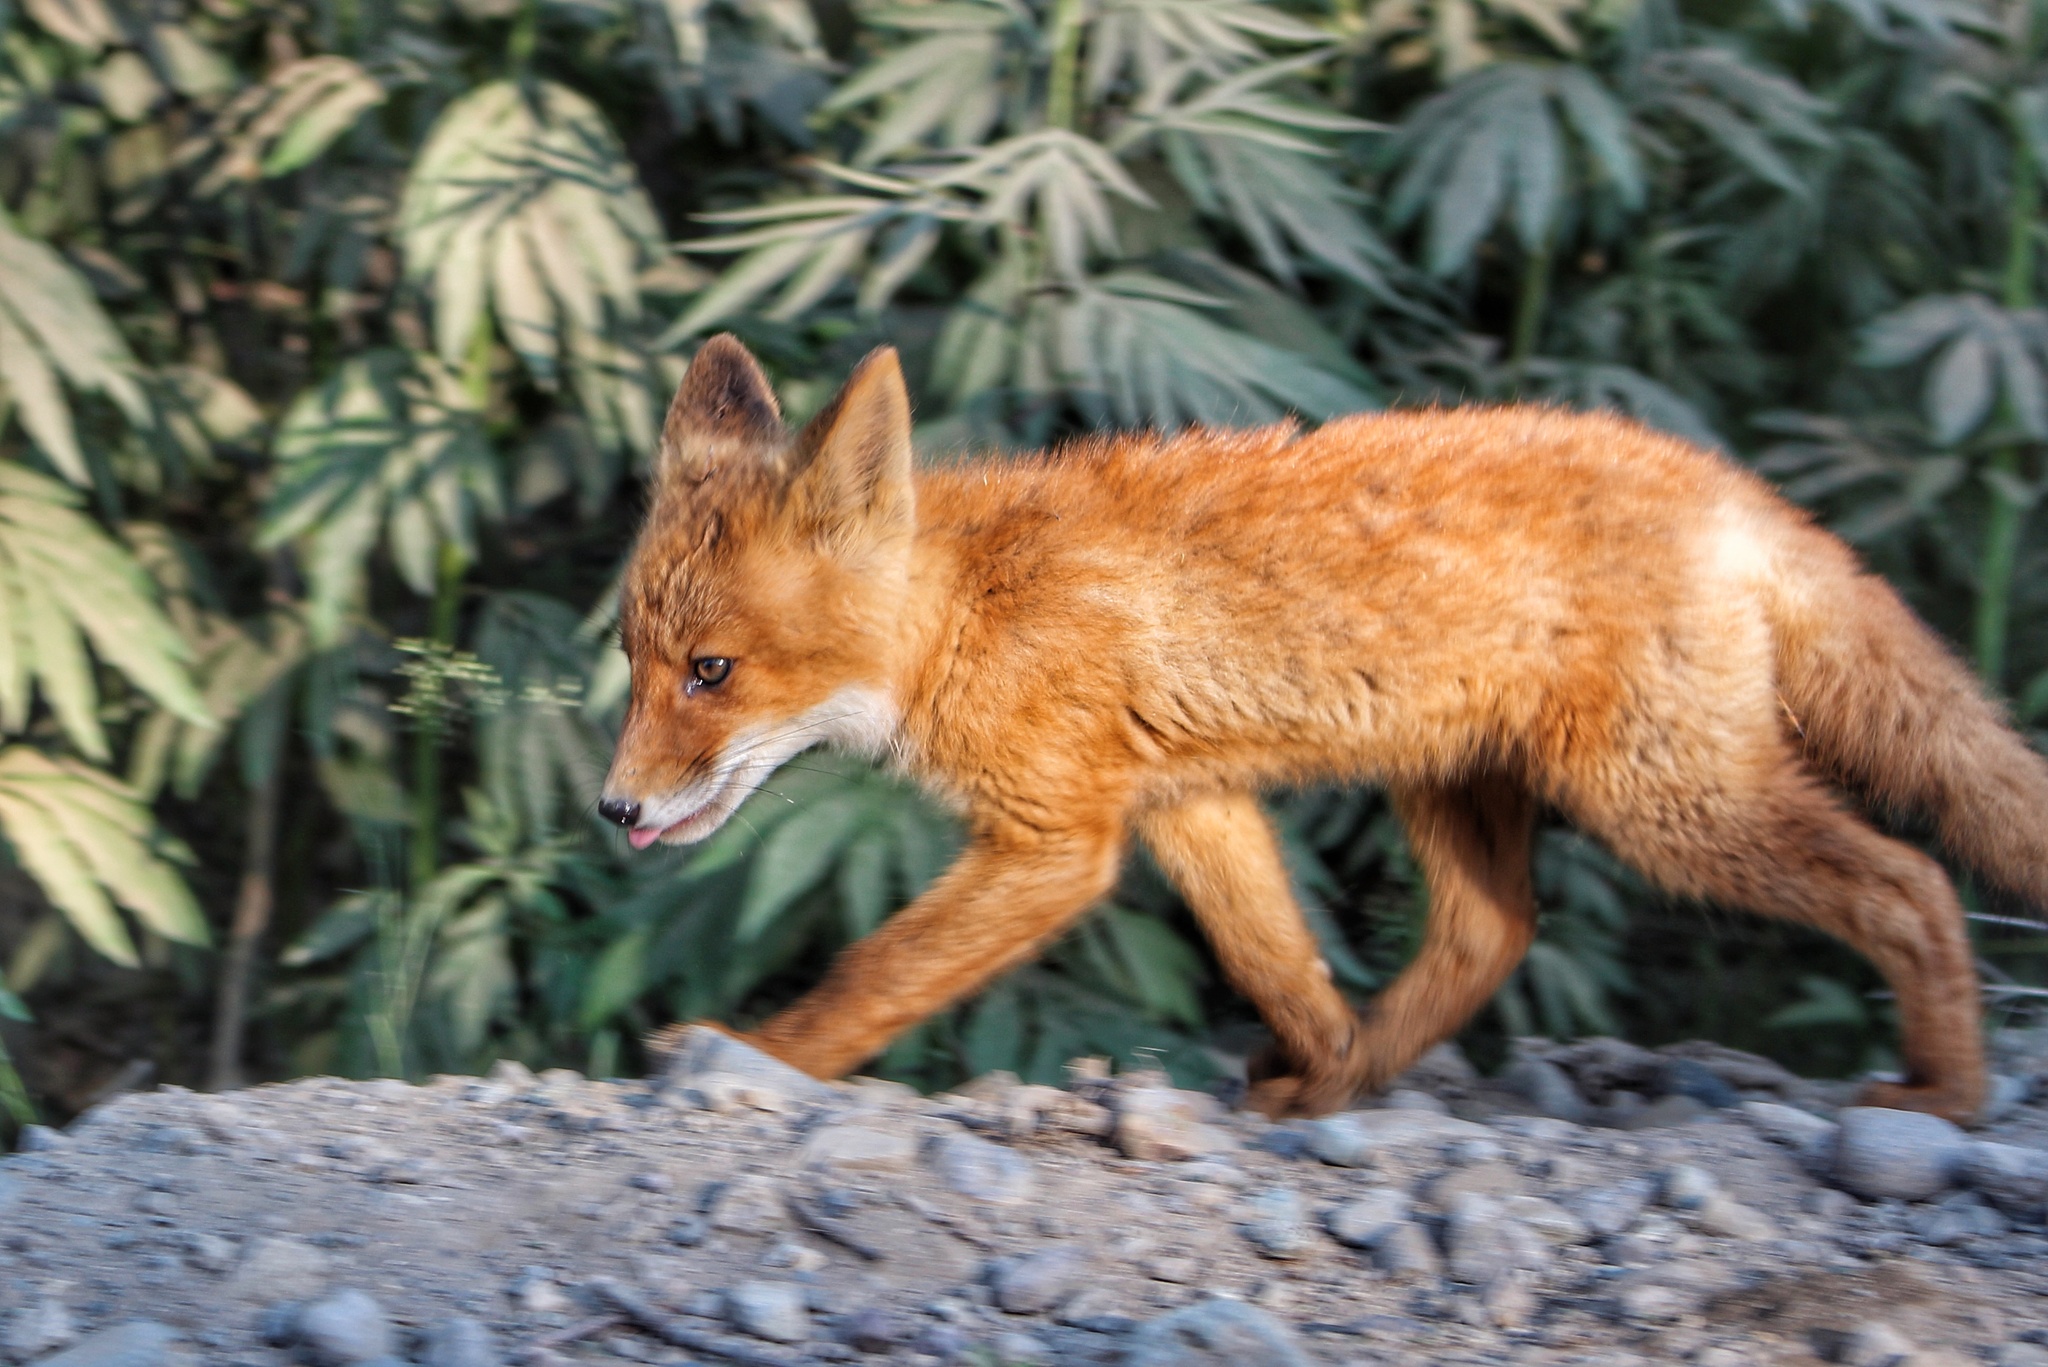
<point x="1491" y="613"/>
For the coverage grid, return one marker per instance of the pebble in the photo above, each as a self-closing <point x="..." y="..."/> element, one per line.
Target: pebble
<point x="1405" y="1252"/>
<point x="2015" y="1178"/>
<point x="2019" y="1355"/>
<point x="1727" y="1218"/>
<point x="209" y="1252"/>
<point x="1801" y="1131"/>
<point x="984" y="1171"/>
<point x="460" y="1342"/>
<point x="1610" y="1210"/>
<point x="1036" y="1282"/>
<point x="776" y="1311"/>
<point x="279" y="1268"/>
<point x="1883" y="1154"/>
<point x="861" y="1148"/>
<point x="138" y="1343"/>
<point x="1277" y="1224"/>
<point x="703" y="1055"/>
<point x="346" y="1327"/>
<point x="1363" y="1220"/>
<point x="1547" y="1088"/>
<point x="1874" y="1344"/>
<point x="1164" y="1124"/>
<point x="1684" y="1077"/>
<point x="1548" y="1219"/>
<point x="1482" y="1242"/>
<point x="1359" y="1139"/>
<point x="1686" y="1187"/>
<point x="535" y="1292"/>
<point x="875" y="1330"/>
<point x="748" y="1204"/>
<point x="1215" y="1333"/>
<point x="38" y="1139"/>
<point x="1022" y="1350"/>
<point x="40" y="1327"/>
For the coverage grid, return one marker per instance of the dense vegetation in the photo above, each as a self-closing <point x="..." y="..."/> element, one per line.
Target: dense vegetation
<point x="333" y="336"/>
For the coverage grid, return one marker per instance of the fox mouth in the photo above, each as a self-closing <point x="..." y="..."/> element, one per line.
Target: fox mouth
<point x="680" y="831"/>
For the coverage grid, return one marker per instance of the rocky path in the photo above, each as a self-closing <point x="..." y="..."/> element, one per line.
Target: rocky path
<point x="1690" y="1206"/>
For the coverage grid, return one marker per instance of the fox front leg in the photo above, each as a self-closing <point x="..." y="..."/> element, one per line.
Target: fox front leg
<point x="1008" y="895"/>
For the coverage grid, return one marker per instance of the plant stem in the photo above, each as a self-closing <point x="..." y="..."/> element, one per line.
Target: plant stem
<point x="1529" y="308"/>
<point x="432" y="728"/>
<point x="2000" y="556"/>
<point x="252" y="917"/>
<point x="1060" y="110"/>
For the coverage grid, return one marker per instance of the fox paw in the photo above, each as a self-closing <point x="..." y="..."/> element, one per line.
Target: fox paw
<point x="666" y="1042"/>
<point x="1280" y="1089"/>
<point x="1955" y="1102"/>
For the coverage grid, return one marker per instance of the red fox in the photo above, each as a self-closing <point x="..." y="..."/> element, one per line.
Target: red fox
<point x="1488" y="611"/>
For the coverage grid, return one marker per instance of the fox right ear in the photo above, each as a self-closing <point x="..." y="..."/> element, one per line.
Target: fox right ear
<point x="722" y="408"/>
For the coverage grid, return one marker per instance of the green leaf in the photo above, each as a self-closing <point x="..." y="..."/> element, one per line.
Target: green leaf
<point x="796" y="856"/>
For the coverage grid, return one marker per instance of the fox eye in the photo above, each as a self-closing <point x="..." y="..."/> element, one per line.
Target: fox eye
<point x="708" y="671"/>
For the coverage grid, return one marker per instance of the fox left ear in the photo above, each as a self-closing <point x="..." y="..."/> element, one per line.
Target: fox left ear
<point x="724" y="408"/>
<point x="854" y="479"/>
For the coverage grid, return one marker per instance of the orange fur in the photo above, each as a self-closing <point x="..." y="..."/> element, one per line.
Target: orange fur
<point x="1484" y="610"/>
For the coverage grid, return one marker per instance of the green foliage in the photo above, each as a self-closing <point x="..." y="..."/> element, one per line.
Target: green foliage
<point x="331" y="338"/>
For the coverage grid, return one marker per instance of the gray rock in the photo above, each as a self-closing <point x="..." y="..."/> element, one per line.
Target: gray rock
<point x="2019" y="1355"/>
<point x="1444" y="1070"/>
<point x="1663" y="1113"/>
<point x="1164" y="1124"/>
<point x="1690" y="1078"/>
<point x="39" y="1139"/>
<point x="1742" y="1071"/>
<point x="1482" y="1242"/>
<point x="12" y="1189"/>
<point x="209" y="1252"/>
<point x="1362" y="1221"/>
<point x="1548" y="1219"/>
<point x="1215" y="1333"/>
<point x="1547" y="1088"/>
<point x="860" y="1148"/>
<point x="1874" y="1344"/>
<point x="279" y="1268"/>
<point x="460" y="1342"/>
<point x="1036" y="1282"/>
<point x="346" y="1327"/>
<point x="1405" y="1252"/>
<point x="1654" y="1302"/>
<point x="535" y="1292"/>
<point x="1610" y="1210"/>
<point x="1277" y="1224"/>
<point x="1409" y="1099"/>
<point x="1801" y="1131"/>
<point x="1509" y="1300"/>
<point x="875" y="1330"/>
<point x="43" y="1326"/>
<point x="1358" y="1139"/>
<point x="702" y="1054"/>
<point x="1686" y="1187"/>
<point x="138" y="1343"/>
<point x="1959" y="1219"/>
<point x="776" y="1311"/>
<point x="1724" y="1217"/>
<point x="2005" y="1096"/>
<point x="1884" y="1154"/>
<point x="986" y="1172"/>
<point x="1025" y="1350"/>
<point x="2014" y="1177"/>
<point x="748" y="1204"/>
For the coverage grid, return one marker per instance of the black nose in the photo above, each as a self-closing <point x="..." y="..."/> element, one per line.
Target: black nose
<point x="623" y="810"/>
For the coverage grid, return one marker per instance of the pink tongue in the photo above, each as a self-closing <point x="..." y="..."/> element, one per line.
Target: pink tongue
<point x="640" y="837"/>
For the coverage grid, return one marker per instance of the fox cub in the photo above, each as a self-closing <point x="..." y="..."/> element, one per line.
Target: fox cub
<point x="1487" y="611"/>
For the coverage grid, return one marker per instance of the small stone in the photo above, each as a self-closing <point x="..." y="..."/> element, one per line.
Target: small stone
<point x="1727" y="1218"/>
<point x="1744" y="1072"/>
<point x="860" y="1148"/>
<point x="1357" y="1139"/>
<point x="651" y="1181"/>
<point x="1666" y="1112"/>
<point x="688" y="1231"/>
<point x="460" y="1342"/>
<point x="1404" y="1252"/>
<point x="41" y="1327"/>
<point x="2005" y="1095"/>
<point x="1277" y="1225"/>
<point x="1164" y="1124"/>
<point x="748" y="1204"/>
<point x="279" y="1268"/>
<point x="1022" y="1350"/>
<point x="345" y="1328"/>
<point x="1608" y="1211"/>
<point x="1509" y="1300"/>
<point x="138" y="1343"/>
<point x="794" y="1256"/>
<point x="535" y="1292"/>
<point x="209" y="1252"/>
<point x="2014" y="1177"/>
<point x="1898" y="1155"/>
<point x="1874" y="1344"/>
<point x="1805" y="1133"/>
<point x="1175" y="1268"/>
<point x="983" y="1171"/>
<point x="875" y="1330"/>
<point x="1364" y="1220"/>
<point x="1548" y="1219"/>
<point x="39" y="1139"/>
<point x="1692" y="1079"/>
<point x="1654" y="1302"/>
<point x="1546" y="1088"/>
<point x="701" y="1053"/>
<point x="1409" y="1099"/>
<point x="1482" y="1243"/>
<point x="1215" y="1333"/>
<point x="2019" y="1355"/>
<point x="1036" y="1282"/>
<point x="1497" y="1180"/>
<point x="1686" y="1187"/>
<point x="775" y="1311"/>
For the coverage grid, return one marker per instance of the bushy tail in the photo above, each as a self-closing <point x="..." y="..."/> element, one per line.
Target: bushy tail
<point x="1889" y="712"/>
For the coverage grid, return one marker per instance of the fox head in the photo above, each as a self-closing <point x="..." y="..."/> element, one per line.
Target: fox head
<point x="760" y="605"/>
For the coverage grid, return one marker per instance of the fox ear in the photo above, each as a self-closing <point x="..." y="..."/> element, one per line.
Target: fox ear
<point x="723" y="408"/>
<point x="855" y="474"/>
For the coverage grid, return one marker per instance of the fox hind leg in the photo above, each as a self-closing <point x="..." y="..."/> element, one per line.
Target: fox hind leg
<point x="1770" y="838"/>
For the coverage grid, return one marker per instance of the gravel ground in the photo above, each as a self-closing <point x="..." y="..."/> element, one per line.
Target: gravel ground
<point x="1597" y="1204"/>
